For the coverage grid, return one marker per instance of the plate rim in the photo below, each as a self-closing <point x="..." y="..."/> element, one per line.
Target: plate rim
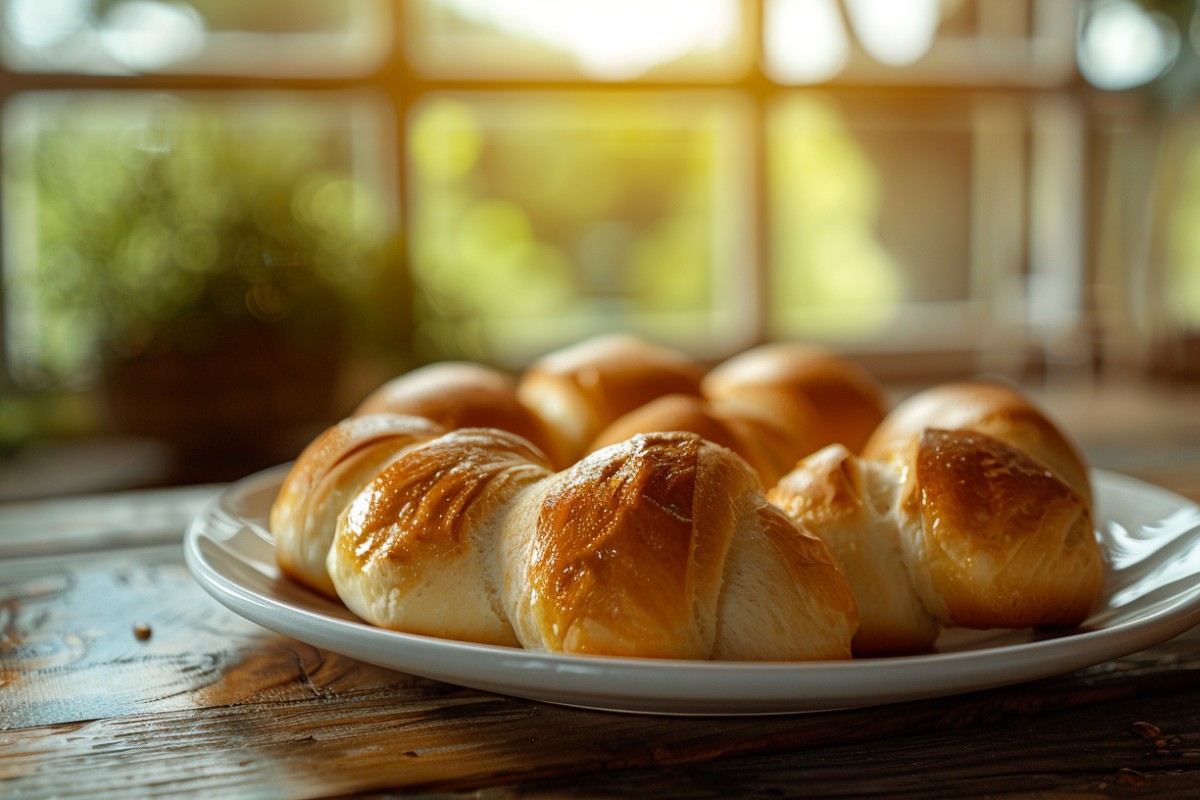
<point x="655" y="685"/>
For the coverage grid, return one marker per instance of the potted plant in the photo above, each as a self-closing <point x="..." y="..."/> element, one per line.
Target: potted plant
<point x="223" y="269"/>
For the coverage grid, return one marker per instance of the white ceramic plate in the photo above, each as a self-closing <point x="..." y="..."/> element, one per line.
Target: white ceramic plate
<point x="1151" y="593"/>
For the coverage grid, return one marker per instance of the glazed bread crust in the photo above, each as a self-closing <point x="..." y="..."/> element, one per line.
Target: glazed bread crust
<point x="985" y="525"/>
<point x="326" y="475"/>
<point x="664" y="546"/>
<point x="418" y="548"/>
<point x="770" y="445"/>
<point x="996" y="409"/>
<point x="615" y="499"/>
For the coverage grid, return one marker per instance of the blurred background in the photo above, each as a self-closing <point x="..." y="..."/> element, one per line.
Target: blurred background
<point x="223" y="222"/>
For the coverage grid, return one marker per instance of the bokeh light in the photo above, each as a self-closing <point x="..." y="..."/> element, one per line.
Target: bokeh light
<point x="895" y="32"/>
<point x="603" y="40"/>
<point x="146" y="36"/>
<point x="804" y="40"/>
<point x="550" y="216"/>
<point x="1123" y="45"/>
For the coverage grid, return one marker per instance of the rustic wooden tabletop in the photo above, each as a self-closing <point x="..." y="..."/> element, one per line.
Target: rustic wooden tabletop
<point x="120" y="677"/>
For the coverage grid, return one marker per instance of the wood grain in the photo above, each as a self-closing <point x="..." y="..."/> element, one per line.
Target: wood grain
<point x="120" y="677"/>
<point x="70" y="647"/>
<point x="427" y="736"/>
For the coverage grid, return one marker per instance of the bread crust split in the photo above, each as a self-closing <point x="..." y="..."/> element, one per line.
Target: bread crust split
<point x="853" y="505"/>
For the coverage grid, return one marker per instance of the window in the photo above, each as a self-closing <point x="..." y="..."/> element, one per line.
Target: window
<point x="146" y="221"/>
<point x="909" y="181"/>
<point x="540" y="217"/>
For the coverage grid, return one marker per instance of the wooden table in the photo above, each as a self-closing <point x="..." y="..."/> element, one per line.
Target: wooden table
<point x="120" y="677"/>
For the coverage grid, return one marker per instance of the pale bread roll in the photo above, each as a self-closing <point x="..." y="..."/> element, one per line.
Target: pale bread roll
<point x="853" y="505"/>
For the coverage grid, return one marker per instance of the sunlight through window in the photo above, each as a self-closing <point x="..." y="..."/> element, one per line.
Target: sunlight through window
<point x="603" y="40"/>
<point x="544" y="218"/>
<point x="1121" y="45"/>
<point x="146" y="36"/>
<point x="266" y="37"/>
<point x="611" y="39"/>
<point x="895" y="32"/>
<point x="804" y="40"/>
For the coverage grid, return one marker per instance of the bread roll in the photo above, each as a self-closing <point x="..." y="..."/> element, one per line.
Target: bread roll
<point x="458" y="394"/>
<point x="996" y="409"/>
<point x="791" y="381"/>
<point x="419" y="549"/>
<point x="853" y="505"/>
<point x="987" y="534"/>
<point x="770" y="446"/>
<point x="996" y="540"/>
<point x="330" y="471"/>
<point x="664" y="546"/>
<point x="579" y="390"/>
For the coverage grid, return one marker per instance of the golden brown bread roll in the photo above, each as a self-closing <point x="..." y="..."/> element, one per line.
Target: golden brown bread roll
<point x="665" y="546"/>
<point x="792" y="381"/>
<point x="988" y="535"/>
<point x="326" y="475"/>
<point x="419" y="549"/>
<point x="770" y="446"/>
<point x="997" y="540"/>
<point x="996" y="409"/>
<point x="579" y="390"/>
<point x="459" y="394"/>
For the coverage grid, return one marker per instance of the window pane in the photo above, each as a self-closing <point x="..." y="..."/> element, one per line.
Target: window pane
<point x="981" y="42"/>
<point x="136" y="223"/>
<point x="538" y="219"/>
<point x="1181" y="252"/>
<point x="1124" y="44"/>
<point x="896" y="222"/>
<point x="594" y="39"/>
<point x="323" y="38"/>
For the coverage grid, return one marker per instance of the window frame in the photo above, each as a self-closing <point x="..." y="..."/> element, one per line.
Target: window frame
<point x="1055" y="139"/>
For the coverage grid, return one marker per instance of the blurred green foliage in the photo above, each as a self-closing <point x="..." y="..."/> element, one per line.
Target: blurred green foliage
<point x="271" y="16"/>
<point x="1182" y="290"/>
<point x="159" y="224"/>
<point x="541" y="220"/>
<point x="831" y="275"/>
<point x="578" y="214"/>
